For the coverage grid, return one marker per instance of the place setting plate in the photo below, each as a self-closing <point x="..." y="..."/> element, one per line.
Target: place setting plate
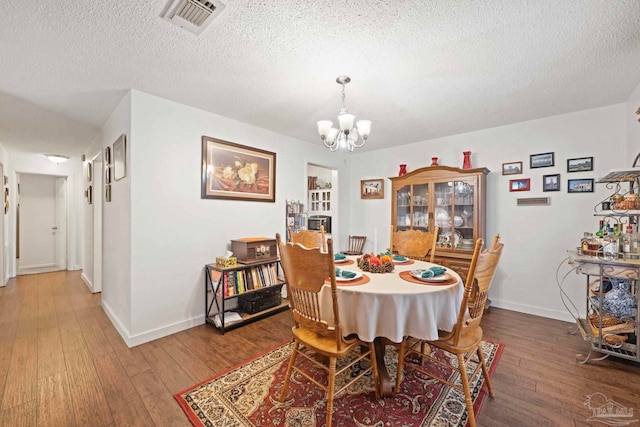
<point x="403" y="261"/>
<point x="414" y="276"/>
<point x="358" y="279"/>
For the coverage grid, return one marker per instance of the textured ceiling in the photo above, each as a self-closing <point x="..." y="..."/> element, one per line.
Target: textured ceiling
<point x="420" y="69"/>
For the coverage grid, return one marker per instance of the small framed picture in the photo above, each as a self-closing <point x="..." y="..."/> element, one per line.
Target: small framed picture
<point x="89" y="194"/>
<point x="372" y="189"/>
<point x="580" y="185"/>
<point x="543" y="160"/>
<point x="107" y="192"/>
<point x="581" y="164"/>
<point x="551" y="182"/>
<point x="107" y="175"/>
<point x="520" y="184"/>
<point x="513" y="168"/>
<point x="120" y="158"/>
<point x="107" y="155"/>
<point x="89" y="171"/>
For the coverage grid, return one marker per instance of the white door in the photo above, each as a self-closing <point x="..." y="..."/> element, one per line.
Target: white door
<point x="60" y="232"/>
<point x="43" y="224"/>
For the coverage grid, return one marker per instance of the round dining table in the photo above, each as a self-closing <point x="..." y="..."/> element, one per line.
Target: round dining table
<point x="386" y="307"/>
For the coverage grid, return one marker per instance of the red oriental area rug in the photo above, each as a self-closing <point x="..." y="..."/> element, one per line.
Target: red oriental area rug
<point x="248" y="395"/>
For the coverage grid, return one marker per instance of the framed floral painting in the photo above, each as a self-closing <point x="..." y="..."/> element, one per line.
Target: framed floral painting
<point x="237" y="172"/>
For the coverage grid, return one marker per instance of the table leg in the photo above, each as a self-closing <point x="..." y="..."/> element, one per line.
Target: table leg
<point x="386" y="387"/>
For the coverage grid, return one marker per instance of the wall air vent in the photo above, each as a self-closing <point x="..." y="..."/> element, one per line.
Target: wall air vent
<point x="534" y="201"/>
<point x="192" y="15"/>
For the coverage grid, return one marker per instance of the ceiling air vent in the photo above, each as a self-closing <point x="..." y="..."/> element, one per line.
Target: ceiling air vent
<point x="192" y="15"/>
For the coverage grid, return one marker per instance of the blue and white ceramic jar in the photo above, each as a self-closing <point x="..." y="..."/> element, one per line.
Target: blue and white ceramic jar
<point x="619" y="302"/>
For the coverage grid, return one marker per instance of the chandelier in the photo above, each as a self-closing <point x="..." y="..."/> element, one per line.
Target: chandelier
<point x="347" y="136"/>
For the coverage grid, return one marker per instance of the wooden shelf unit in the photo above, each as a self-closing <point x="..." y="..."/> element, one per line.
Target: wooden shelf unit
<point x="224" y="285"/>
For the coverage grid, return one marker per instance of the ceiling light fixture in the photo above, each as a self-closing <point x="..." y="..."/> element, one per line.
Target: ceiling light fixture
<point x="347" y="136"/>
<point x="57" y="158"/>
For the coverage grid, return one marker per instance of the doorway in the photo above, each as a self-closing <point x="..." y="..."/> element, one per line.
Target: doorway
<point x="322" y="197"/>
<point x="96" y="283"/>
<point x="41" y="236"/>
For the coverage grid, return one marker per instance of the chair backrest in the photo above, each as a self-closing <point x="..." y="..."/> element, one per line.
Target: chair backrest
<point x="414" y="243"/>
<point x="309" y="239"/>
<point x="306" y="270"/>
<point x="356" y="245"/>
<point x="476" y="289"/>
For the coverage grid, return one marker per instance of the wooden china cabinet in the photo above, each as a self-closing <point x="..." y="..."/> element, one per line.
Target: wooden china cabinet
<point x="452" y="199"/>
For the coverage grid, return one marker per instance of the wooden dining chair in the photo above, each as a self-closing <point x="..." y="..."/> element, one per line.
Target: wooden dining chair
<point x="356" y="245"/>
<point x="309" y="239"/>
<point x="306" y="271"/>
<point x="414" y="243"/>
<point x="464" y="340"/>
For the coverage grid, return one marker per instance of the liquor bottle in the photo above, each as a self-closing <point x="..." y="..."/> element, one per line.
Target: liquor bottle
<point x="635" y="245"/>
<point x="601" y="229"/>
<point x="626" y="242"/>
<point x="609" y="245"/>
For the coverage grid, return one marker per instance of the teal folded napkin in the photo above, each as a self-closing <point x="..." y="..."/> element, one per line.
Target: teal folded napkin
<point x="399" y="258"/>
<point x="339" y="256"/>
<point x="433" y="272"/>
<point x="345" y="273"/>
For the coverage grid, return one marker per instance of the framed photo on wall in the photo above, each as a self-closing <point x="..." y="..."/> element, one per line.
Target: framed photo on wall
<point x="372" y="189"/>
<point x="107" y="155"/>
<point x="513" y="168"/>
<point x="580" y="185"/>
<point x="120" y="157"/>
<point x="581" y="164"/>
<point x="551" y="182"/>
<point x="520" y="184"/>
<point x="89" y="171"/>
<point x="237" y="172"/>
<point x="543" y="160"/>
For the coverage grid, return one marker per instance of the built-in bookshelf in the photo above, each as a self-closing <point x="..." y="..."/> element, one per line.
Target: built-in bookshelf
<point x="296" y="217"/>
<point x="243" y="293"/>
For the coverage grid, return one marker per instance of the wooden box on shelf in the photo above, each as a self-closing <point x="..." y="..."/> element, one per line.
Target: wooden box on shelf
<point x="250" y="250"/>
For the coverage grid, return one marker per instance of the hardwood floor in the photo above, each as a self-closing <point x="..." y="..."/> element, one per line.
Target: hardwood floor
<point x="62" y="363"/>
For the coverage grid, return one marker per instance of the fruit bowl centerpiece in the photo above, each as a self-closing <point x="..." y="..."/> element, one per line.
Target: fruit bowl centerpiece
<point x="376" y="264"/>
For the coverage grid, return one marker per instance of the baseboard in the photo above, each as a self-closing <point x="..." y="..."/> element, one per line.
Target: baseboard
<point x="87" y="282"/>
<point x="141" y="338"/>
<point x="28" y="267"/>
<point x="531" y="309"/>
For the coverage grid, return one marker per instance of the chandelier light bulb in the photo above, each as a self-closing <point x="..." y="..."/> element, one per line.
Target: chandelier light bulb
<point x="347" y="136"/>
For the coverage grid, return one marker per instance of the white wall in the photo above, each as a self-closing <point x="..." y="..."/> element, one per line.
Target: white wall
<point x="174" y="232"/>
<point x="536" y="238"/>
<point x="4" y="159"/>
<point x="633" y="126"/>
<point x="116" y="224"/>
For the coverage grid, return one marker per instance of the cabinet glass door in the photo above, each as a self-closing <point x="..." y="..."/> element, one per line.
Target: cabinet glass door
<point x="412" y="207"/>
<point x="420" y="207"/>
<point x="403" y="208"/>
<point x="454" y="214"/>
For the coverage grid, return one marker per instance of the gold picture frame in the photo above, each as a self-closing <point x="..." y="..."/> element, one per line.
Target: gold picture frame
<point x="372" y="188"/>
<point x="237" y="172"/>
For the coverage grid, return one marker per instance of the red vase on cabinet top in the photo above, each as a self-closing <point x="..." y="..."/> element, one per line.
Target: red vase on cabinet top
<point x="467" y="160"/>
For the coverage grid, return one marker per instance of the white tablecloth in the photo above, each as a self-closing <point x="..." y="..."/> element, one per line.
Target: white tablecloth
<point x="391" y="307"/>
